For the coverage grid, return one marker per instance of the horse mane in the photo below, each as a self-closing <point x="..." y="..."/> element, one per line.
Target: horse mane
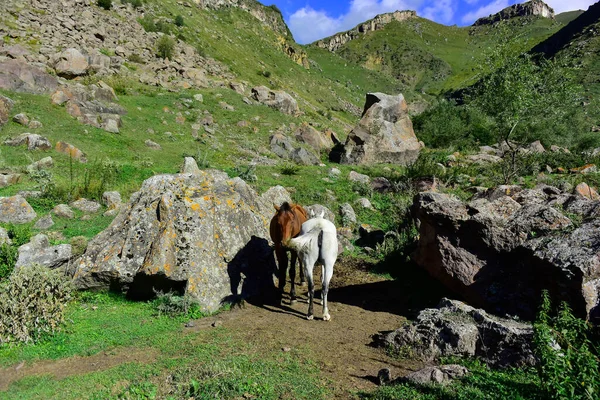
<point x="285" y="206"/>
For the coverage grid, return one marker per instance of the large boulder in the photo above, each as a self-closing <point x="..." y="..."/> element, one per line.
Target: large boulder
<point x="18" y="76"/>
<point x="312" y="137"/>
<point x="383" y="135"/>
<point x="16" y="210"/>
<point x="276" y="99"/>
<point x="500" y="251"/>
<point x="201" y="233"/>
<point x="71" y="63"/>
<point x="39" y="251"/>
<point x="458" y="330"/>
<point x="33" y="141"/>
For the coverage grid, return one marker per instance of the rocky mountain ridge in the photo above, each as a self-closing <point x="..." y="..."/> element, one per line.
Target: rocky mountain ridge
<point x="530" y="8"/>
<point x="336" y="41"/>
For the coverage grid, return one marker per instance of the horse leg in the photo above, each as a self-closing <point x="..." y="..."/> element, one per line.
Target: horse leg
<point x="308" y="273"/>
<point x="293" y="258"/>
<point x="302" y="278"/>
<point x="282" y="260"/>
<point x="328" y="273"/>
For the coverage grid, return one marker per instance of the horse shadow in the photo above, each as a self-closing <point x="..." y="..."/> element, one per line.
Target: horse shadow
<point x="251" y="274"/>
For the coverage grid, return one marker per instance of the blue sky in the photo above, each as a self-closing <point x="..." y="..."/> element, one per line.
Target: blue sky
<point x="310" y="20"/>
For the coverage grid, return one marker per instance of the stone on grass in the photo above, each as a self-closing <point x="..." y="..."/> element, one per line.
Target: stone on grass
<point x="354" y="176"/>
<point x="153" y="145"/>
<point x="112" y="200"/>
<point x="44" y="163"/>
<point x="348" y="215"/>
<point x="71" y="151"/>
<point x="16" y="210"/>
<point x="4" y="239"/>
<point x="9" y="179"/>
<point x="63" y="211"/>
<point x="436" y="375"/>
<point x="85" y="205"/>
<point x="44" y="223"/>
<point x="21" y="119"/>
<point x="6" y="106"/>
<point x="39" y="251"/>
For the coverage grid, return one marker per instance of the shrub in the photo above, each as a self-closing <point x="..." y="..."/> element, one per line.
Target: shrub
<point x="568" y="363"/>
<point x="106" y="4"/>
<point x="172" y="304"/>
<point x="136" y="58"/>
<point x="247" y="173"/>
<point x="32" y="303"/>
<point x="134" y="3"/>
<point x="178" y="21"/>
<point x="165" y="46"/>
<point x="8" y="259"/>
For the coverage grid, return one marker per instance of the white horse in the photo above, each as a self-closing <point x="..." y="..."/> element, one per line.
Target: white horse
<point x="317" y="242"/>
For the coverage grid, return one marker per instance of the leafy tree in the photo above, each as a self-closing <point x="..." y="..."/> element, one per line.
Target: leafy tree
<point x="165" y="46"/>
<point x="106" y="4"/>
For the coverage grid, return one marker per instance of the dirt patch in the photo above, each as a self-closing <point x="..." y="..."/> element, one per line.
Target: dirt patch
<point x="63" y="368"/>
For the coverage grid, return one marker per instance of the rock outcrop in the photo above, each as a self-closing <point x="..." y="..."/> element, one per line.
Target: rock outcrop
<point x="500" y="250"/>
<point x="529" y="8"/>
<point x="383" y="135"/>
<point x="456" y="329"/>
<point x="201" y="233"/>
<point x="18" y="76"/>
<point x="39" y="251"/>
<point x="276" y="99"/>
<point x="336" y="41"/>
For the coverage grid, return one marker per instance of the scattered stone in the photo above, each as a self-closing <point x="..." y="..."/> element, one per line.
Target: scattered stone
<point x="16" y="210"/>
<point x="312" y="137"/>
<point x="356" y="177"/>
<point x="217" y="323"/>
<point x="586" y="169"/>
<point x="87" y="206"/>
<point x="364" y="203"/>
<point x="71" y="63"/>
<point x="276" y="99"/>
<point x="384" y="376"/>
<point x="454" y="328"/>
<point x="189" y="166"/>
<point x="380" y="185"/>
<point x="436" y="375"/>
<point x="286" y="349"/>
<point x="6" y="106"/>
<point x="583" y="189"/>
<point x="558" y="149"/>
<point x="39" y="251"/>
<point x="31" y="140"/>
<point x="44" y="223"/>
<point x="9" y="179"/>
<point x="112" y="200"/>
<point x="318" y="209"/>
<point x="30" y="194"/>
<point x="383" y="135"/>
<point x="19" y="76"/>
<point x="71" y="151"/>
<point x="63" y="211"/>
<point x="190" y="324"/>
<point x="484" y="159"/>
<point x="334" y="172"/>
<point x="199" y="98"/>
<point x="152" y="145"/>
<point x="44" y="163"/>
<point x="21" y="119"/>
<point x="226" y="106"/>
<point x="348" y="215"/>
<point x="4" y="239"/>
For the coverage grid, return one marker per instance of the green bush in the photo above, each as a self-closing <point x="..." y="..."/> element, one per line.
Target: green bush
<point x="165" y="46"/>
<point x="174" y="305"/>
<point x="134" y="3"/>
<point x="178" y="21"/>
<point x="32" y="303"/>
<point x="106" y="4"/>
<point x="8" y="259"/>
<point x="568" y="361"/>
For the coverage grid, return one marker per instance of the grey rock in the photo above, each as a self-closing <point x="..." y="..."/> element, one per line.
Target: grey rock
<point x="4" y="237"/>
<point x="16" y="210"/>
<point x="354" y="176"/>
<point x="19" y="76"/>
<point x="276" y="99"/>
<point x="348" y="215"/>
<point x="204" y="233"/>
<point x="21" y="119"/>
<point x="364" y="203"/>
<point x="6" y="106"/>
<point x="152" y="145"/>
<point x="86" y="206"/>
<point x="63" y="211"/>
<point x="312" y="137"/>
<point x="189" y="166"/>
<point x="9" y="179"/>
<point x="39" y="251"/>
<point x="44" y="163"/>
<point x="436" y="375"/>
<point x="31" y="140"/>
<point x="383" y="135"/>
<point x="304" y="157"/>
<point x="44" y="223"/>
<point x="315" y="210"/>
<point x="112" y="200"/>
<point x="454" y="328"/>
<point x="71" y="63"/>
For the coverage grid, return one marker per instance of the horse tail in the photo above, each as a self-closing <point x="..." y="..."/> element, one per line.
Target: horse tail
<point x="306" y="240"/>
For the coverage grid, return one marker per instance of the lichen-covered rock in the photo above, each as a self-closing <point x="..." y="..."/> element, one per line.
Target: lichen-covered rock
<point x="276" y="99"/>
<point x="202" y="233"/>
<point x="383" y="135"/>
<point x="456" y="329"/>
<point x="31" y="140"/>
<point x="71" y="151"/>
<point x="85" y="205"/>
<point x="112" y="200"/>
<point x="44" y="223"/>
<point x="16" y="210"/>
<point x="9" y="179"/>
<point x="39" y="251"/>
<point x="63" y="211"/>
<point x="44" y="163"/>
<point x="500" y="251"/>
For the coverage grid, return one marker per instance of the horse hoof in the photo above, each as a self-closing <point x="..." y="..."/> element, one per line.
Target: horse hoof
<point x="293" y="301"/>
<point x="302" y="283"/>
<point x="310" y="317"/>
<point x="326" y="317"/>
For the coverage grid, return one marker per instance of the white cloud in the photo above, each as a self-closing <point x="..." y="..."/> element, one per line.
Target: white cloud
<point x="308" y="24"/>
<point x="562" y="5"/>
<point x="484" y="11"/>
<point x="441" y="11"/>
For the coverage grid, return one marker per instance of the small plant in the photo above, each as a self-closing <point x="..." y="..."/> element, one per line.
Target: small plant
<point x="44" y="180"/>
<point x="290" y="169"/>
<point x="247" y="173"/>
<point x="32" y="303"/>
<point x="178" y="21"/>
<point x="165" y="46"/>
<point x="136" y="58"/>
<point x="175" y="305"/>
<point x="106" y="4"/>
<point x="266" y="74"/>
<point x="8" y="259"/>
<point x="568" y="362"/>
<point x="133" y="3"/>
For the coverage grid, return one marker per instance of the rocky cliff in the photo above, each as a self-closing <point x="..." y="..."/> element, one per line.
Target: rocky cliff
<point x="530" y="8"/>
<point x="336" y="41"/>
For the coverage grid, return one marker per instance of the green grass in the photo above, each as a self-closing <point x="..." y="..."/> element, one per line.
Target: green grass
<point x="204" y="364"/>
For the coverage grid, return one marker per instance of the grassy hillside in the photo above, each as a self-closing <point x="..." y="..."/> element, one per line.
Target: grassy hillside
<point x="431" y="57"/>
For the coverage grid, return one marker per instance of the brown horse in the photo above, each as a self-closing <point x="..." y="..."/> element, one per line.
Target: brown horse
<point x="285" y="225"/>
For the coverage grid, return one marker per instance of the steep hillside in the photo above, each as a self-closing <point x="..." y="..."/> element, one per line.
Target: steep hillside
<point x="430" y="57"/>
